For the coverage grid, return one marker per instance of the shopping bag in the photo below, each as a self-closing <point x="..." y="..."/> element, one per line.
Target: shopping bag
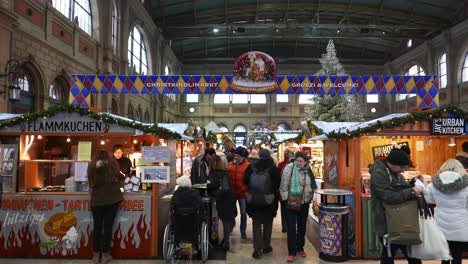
<point x="434" y="244"/>
<point x="402" y="223"/>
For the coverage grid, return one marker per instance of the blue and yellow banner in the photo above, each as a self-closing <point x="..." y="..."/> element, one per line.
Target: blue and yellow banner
<point x="82" y="86"/>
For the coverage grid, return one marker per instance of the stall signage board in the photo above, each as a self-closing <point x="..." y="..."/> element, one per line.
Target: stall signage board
<point x="61" y="226"/>
<point x="155" y="174"/>
<point x="69" y="123"/>
<point x="330" y="169"/>
<point x="447" y="126"/>
<point x="331" y="232"/>
<point x="8" y="165"/>
<point x="381" y="152"/>
<point x="155" y="154"/>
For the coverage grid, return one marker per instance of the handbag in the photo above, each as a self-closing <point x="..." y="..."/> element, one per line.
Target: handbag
<point x="295" y="201"/>
<point x="434" y="244"/>
<point x="402" y="223"/>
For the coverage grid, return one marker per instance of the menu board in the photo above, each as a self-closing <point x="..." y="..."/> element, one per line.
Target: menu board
<point x="9" y="163"/>
<point x="155" y="154"/>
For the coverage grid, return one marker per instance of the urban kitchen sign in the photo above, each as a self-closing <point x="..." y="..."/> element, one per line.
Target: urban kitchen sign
<point x="448" y="126"/>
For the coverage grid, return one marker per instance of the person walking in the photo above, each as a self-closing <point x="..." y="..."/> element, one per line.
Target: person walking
<point x="449" y="191"/>
<point x="389" y="186"/>
<point x="288" y="157"/>
<point x="297" y="179"/>
<point x="267" y="179"/>
<point x="104" y="179"/>
<point x="220" y="186"/>
<point x="237" y="170"/>
<point x="200" y="169"/>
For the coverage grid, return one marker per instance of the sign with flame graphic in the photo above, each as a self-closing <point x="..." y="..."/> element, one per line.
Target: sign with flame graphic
<point x="61" y="226"/>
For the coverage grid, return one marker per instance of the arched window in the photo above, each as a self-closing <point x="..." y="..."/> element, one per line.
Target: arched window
<point x="240" y="135"/>
<point x="137" y="52"/>
<point x="27" y="103"/>
<point x="114" y="26"/>
<point x="282" y="98"/>
<point x="58" y="90"/>
<point x="167" y="71"/>
<point x="443" y="70"/>
<point x="465" y="69"/>
<point x="283" y="127"/>
<point x="114" y="107"/>
<point x="146" y="118"/>
<point x="223" y="128"/>
<point x="131" y="112"/>
<point x="414" y="70"/>
<point x="80" y="9"/>
<point x="306" y="98"/>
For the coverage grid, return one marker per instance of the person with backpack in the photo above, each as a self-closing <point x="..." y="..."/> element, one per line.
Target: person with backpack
<point x="297" y="181"/>
<point x="390" y="187"/>
<point x="220" y="187"/>
<point x="262" y="181"/>
<point x="237" y="169"/>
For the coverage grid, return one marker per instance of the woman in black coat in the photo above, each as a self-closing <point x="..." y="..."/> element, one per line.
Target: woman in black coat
<point x="220" y="187"/>
<point x="263" y="216"/>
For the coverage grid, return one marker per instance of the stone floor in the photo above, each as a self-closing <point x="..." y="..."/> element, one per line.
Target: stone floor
<point x="241" y="251"/>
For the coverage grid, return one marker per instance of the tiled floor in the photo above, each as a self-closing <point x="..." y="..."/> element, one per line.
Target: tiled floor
<point x="241" y="251"/>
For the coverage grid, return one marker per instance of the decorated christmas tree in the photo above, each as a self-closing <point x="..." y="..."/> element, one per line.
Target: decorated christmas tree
<point x="333" y="108"/>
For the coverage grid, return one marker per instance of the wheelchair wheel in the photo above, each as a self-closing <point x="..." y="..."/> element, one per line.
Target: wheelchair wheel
<point x="168" y="243"/>
<point x="204" y="242"/>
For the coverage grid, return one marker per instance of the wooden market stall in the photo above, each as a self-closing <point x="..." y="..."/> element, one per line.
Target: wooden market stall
<point x="431" y="138"/>
<point x="45" y="208"/>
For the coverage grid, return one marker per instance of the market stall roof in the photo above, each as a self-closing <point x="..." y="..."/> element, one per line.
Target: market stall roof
<point x="178" y="128"/>
<point x="374" y="121"/>
<point x="213" y="128"/>
<point x="5" y="116"/>
<point x="280" y="137"/>
<point x="327" y="127"/>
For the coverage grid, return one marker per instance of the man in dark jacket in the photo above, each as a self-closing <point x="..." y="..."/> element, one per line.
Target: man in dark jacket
<point x="389" y="186"/>
<point x="262" y="216"/>
<point x="199" y="172"/>
<point x="462" y="156"/>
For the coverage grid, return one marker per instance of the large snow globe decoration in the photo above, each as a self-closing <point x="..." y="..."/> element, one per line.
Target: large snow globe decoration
<point x="254" y="72"/>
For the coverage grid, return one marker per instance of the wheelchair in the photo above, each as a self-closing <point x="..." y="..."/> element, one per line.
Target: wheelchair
<point x="187" y="234"/>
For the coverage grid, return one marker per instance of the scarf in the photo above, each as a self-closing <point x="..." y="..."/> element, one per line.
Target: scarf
<point x="295" y="187"/>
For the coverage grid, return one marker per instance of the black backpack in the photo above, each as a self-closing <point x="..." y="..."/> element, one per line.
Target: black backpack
<point x="259" y="190"/>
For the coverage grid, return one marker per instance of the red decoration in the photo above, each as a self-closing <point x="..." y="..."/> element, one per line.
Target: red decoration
<point x="254" y="72"/>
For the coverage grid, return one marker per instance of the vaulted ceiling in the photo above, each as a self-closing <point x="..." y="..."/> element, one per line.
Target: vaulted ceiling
<point x="297" y="31"/>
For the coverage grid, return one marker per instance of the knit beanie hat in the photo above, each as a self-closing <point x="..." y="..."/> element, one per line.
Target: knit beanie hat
<point x="184" y="181"/>
<point x="398" y="157"/>
<point x="241" y="152"/>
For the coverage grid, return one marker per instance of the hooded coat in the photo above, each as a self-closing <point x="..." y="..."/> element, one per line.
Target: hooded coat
<point x="199" y="172"/>
<point x="449" y="191"/>
<point x="275" y="179"/>
<point x="388" y="187"/>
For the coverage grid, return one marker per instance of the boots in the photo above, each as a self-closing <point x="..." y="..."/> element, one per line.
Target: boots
<point x="106" y="258"/>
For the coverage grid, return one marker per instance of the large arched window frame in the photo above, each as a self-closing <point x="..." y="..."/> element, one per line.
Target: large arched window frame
<point x="137" y="57"/>
<point x="414" y="70"/>
<point x="80" y="9"/>
<point x="442" y="67"/>
<point x="465" y="69"/>
<point x="26" y="83"/>
<point x="59" y="90"/>
<point x="115" y="26"/>
<point x="240" y="135"/>
<point x="223" y="128"/>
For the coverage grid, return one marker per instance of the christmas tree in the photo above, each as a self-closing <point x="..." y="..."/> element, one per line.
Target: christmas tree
<point x="333" y="108"/>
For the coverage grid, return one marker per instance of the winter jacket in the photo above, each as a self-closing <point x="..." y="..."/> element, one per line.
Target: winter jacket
<point x="463" y="158"/>
<point x="225" y="200"/>
<point x="236" y="174"/>
<point x="309" y="186"/>
<point x="275" y="178"/>
<point x="104" y="178"/>
<point x="199" y="172"/>
<point x="186" y="199"/>
<point x="125" y="165"/>
<point x="449" y="191"/>
<point x="388" y="187"/>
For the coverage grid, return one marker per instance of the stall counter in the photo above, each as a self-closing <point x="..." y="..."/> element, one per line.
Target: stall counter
<point x="59" y="225"/>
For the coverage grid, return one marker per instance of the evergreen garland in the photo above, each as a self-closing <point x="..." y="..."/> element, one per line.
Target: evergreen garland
<point x="55" y="109"/>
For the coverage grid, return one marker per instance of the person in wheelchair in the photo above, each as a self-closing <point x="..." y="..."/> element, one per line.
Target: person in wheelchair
<point x="185" y="208"/>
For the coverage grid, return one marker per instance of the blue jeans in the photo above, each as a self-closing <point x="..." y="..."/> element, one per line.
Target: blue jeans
<point x="243" y="215"/>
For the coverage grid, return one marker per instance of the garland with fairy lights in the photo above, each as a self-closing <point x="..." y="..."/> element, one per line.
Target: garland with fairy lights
<point x="53" y="110"/>
<point x="211" y="138"/>
<point x="400" y="121"/>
